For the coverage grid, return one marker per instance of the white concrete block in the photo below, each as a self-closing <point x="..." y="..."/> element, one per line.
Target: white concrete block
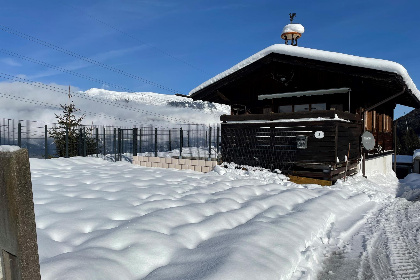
<point x="143" y="163"/>
<point x="148" y="164"/>
<point x="181" y="161"/>
<point x="211" y="163"/>
<point x="381" y="164"/>
<point x="194" y="162"/>
<point x="197" y="168"/>
<point x="201" y="162"/>
<point x="187" y="162"/>
<point x="168" y="160"/>
<point x="154" y="159"/>
<point x="205" y="169"/>
<point x="185" y="166"/>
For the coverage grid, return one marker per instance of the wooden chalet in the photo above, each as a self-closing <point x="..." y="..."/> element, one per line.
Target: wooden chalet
<point x="303" y="111"/>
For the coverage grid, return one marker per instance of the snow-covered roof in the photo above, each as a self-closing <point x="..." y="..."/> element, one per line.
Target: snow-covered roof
<point x="293" y="27"/>
<point x="326" y="56"/>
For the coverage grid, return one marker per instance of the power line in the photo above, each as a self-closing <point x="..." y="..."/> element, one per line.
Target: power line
<point x="61" y="69"/>
<point x="53" y="106"/>
<point x="78" y="94"/>
<point x="81" y="57"/>
<point x="164" y="52"/>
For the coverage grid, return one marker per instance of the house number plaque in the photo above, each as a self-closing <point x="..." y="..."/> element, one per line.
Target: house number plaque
<point x="319" y="134"/>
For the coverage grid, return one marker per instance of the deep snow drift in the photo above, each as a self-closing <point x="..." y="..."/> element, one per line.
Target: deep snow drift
<point x="103" y="220"/>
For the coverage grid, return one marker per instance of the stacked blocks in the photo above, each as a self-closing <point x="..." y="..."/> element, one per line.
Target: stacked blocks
<point x="181" y="164"/>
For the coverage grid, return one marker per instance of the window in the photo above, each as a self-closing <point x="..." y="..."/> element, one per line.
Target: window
<point x="302" y="108"/>
<point x="285" y="109"/>
<point x="338" y="107"/>
<point x="318" y="106"/>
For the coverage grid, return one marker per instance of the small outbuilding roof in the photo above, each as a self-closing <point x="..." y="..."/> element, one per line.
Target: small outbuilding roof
<point x="320" y="55"/>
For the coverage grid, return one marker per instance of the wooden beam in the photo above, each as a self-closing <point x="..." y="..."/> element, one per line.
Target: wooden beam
<point x="305" y="180"/>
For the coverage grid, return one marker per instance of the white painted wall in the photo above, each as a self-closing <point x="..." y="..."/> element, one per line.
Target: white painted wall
<point x="381" y="164"/>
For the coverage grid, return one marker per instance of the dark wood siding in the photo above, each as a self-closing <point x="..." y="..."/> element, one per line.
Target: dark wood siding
<point x="273" y="145"/>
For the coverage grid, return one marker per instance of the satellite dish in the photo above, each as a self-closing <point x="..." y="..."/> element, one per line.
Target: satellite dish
<point x="368" y="140"/>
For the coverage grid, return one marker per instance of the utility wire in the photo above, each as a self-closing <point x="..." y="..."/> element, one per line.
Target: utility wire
<point x="83" y="96"/>
<point x="61" y="69"/>
<point x="81" y="57"/>
<point x="164" y="52"/>
<point x="53" y="106"/>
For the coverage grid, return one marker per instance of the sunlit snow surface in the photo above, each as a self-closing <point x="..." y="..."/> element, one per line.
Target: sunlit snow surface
<point x="104" y="220"/>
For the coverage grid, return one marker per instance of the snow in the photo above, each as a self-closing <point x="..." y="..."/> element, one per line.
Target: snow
<point x="102" y="220"/>
<point x="404" y="159"/>
<point x="105" y="107"/>
<point x="8" y="148"/>
<point x="294" y="27"/>
<point x="416" y="153"/>
<point x="371" y="63"/>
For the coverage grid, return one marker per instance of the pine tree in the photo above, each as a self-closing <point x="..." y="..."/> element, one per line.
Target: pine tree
<point x="408" y="142"/>
<point x="69" y="124"/>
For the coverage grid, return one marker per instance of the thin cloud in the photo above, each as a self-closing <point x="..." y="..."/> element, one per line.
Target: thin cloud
<point x="78" y="64"/>
<point x="11" y="62"/>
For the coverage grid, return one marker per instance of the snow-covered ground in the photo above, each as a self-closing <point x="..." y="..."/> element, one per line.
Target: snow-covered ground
<point x="102" y="220"/>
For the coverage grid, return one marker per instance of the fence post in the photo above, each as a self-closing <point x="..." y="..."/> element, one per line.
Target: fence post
<point x="104" y="141"/>
<point x="119" y="144"/>
<point x="97" y="141"/>
<point x="19" y="135"/>
<point x="209" y="142"/>
<point x="135" y="141"/>
<point x="156" y="142"/>
<point x="217" y="140"/>
<point x="140" y="141"/>
<point x="170" y="144"/>
<point x="79" y="146"/>
<point x="115" y="144"/>
<point x="67" y="142"/>
<point x="180" y="142"/>
<point x="84" y="143"/>
<point x="188" y="138"/>
<point x="46" y="142"/>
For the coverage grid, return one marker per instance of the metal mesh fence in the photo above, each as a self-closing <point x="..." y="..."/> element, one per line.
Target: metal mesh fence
<point x="257" y="145"/>
<point x="183" y="140"/>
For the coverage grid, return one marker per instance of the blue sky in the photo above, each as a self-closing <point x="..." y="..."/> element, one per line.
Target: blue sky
<point x="173" y="46"/>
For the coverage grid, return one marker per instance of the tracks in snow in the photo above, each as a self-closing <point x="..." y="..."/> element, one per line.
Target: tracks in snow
<point x="392" y="251"/>
<point x="387" y="247"/>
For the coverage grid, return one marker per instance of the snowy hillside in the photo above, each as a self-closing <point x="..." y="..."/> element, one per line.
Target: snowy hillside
<point x="37" y="102"/>
<point x="103" y="220"/>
